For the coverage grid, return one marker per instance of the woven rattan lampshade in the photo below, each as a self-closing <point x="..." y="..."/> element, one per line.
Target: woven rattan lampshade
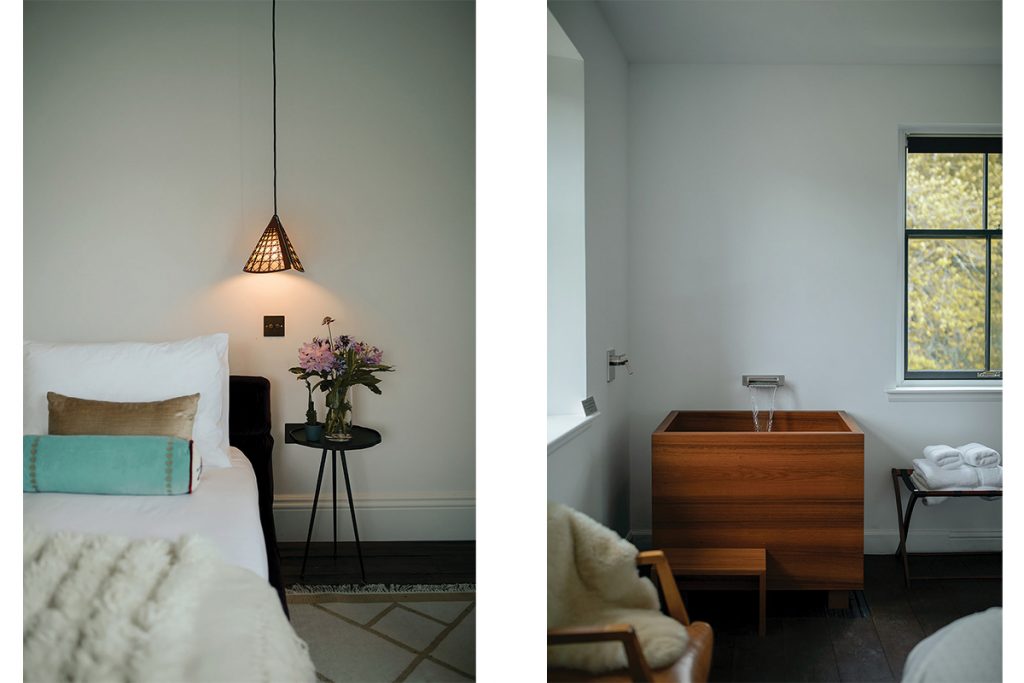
<point x="274" y="252"/>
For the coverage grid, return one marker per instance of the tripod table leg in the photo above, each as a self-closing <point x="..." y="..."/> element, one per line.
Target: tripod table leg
<point x="312" y="513"/>
<point x="352" y="509"/>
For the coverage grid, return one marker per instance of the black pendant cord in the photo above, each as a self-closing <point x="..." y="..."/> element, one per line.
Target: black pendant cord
<point x="273" y="53"/>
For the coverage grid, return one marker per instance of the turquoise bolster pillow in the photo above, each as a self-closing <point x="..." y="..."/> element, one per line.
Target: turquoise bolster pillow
<point x="123" y="465"/>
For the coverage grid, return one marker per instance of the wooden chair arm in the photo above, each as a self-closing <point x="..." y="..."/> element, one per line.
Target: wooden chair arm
<point x="663" y="572"/>
<point x="639" y="671"/>
<point x="698" y="651"/>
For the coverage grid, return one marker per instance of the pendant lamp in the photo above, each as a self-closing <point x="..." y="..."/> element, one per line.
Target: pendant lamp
<point x="274" y="251"/>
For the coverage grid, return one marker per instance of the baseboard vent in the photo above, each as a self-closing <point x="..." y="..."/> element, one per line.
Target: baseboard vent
<point x="976" y="536"/>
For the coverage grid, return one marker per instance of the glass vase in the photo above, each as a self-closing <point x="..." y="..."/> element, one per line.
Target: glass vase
<point x="338" y="424"/>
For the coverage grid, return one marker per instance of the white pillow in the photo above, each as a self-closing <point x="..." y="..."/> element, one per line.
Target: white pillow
<point x="136" y="371"/>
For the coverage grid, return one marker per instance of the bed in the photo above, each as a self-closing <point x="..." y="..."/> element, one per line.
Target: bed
<point x="968" y="649"/>
<point x="238" y="628"/>
<point x="224" y="509"/>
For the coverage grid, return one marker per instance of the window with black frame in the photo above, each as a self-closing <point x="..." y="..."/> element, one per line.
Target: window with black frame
<point x="953" y="230"/>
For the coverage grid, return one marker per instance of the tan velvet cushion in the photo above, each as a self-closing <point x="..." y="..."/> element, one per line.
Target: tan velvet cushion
<point x="173" y="417"/>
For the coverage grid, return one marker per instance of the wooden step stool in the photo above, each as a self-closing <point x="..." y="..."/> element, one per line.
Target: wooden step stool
<point x="710" y="562"/>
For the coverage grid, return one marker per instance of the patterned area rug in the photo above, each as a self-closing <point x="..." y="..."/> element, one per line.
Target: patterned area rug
<point x="370" y="634"/>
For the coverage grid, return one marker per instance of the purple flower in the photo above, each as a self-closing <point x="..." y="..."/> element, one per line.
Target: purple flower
<point x="316" y="356"/>
<point x="366" y="354"/>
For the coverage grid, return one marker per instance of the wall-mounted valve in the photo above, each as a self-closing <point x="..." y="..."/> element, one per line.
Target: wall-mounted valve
<point x="617" y="360"/>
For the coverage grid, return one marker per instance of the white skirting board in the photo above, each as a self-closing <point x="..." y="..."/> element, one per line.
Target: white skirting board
<point x="884" y="541"/>
<point x="451" y="517"/>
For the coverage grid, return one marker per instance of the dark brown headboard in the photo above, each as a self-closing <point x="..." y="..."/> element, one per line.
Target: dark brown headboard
<point x="249" y="431"/>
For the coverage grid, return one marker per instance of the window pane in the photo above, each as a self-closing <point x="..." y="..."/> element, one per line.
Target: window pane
<point x="944" y="191"/>
<point x="995" y="192"/>
<point x="946" y="304"/>
<point x="996" y="354"/>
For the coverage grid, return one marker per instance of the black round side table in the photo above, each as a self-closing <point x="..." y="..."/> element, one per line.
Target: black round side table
<point x="362" y="437"/>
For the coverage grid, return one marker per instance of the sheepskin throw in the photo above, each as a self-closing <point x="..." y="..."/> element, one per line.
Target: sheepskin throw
<point x="593" y="581"/>
<point x="104" y="608"/>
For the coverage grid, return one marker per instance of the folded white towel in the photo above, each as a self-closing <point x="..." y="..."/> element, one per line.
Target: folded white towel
<point x="963" y="477"/>
<point x="980" y="455"/>
<point x="935" y="477"/>
<point x="990" y="476"/>
<point x="922" y="484"/>
<point x="920" y="480"/>
<point x="944" y="456"/>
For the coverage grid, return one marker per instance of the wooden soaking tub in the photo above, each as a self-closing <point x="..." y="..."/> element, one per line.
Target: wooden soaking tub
<point x="797" y="492"/>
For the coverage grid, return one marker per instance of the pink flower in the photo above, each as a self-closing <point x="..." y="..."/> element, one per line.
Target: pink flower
<point x="316" y="356"/>
<point x="375" y="356"/>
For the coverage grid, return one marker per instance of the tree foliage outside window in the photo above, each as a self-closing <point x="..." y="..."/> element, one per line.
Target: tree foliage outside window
<point x="954" y="261"/>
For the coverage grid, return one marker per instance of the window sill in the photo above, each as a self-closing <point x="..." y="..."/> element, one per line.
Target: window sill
<point x="564" y="428"/>
<point x="944" y="393"/>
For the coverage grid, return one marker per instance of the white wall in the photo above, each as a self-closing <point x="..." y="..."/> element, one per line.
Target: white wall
<point x="764" y="230"/>
<point x="591" y="472"/>
<point x="148" y="182"/>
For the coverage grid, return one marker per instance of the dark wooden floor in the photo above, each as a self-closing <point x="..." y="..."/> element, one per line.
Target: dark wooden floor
<point x="805" y="642"/>
<point x="386" y="562"/>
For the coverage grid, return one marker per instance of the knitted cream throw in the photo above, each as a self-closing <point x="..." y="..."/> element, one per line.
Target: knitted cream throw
<point x="104" y="608"/>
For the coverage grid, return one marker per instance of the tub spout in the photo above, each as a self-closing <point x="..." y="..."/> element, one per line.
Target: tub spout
<point x="764" y="380"/>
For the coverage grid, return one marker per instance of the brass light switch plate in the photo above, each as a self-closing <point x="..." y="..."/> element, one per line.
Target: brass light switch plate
<point x="273" y="326"/>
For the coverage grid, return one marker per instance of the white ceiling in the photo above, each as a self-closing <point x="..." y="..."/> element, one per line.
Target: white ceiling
<point x="807" y="31"/>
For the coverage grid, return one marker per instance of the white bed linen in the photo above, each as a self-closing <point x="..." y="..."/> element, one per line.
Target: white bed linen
<point x="245" y="635"/>
<point x="969" y="649"/>
<point x="135" y="371"/>
<point x="224" y="509"/>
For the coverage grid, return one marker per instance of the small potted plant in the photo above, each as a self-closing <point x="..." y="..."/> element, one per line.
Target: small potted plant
<point x="315" y="361"/>
<point x="314" y="430"/>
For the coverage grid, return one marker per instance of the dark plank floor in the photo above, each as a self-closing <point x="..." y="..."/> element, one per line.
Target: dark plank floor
<point x="805" y="642"/>
<point x="386" y="562"/>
